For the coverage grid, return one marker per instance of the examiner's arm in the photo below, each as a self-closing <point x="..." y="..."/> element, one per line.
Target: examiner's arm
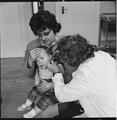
<point x="72" y="91"/>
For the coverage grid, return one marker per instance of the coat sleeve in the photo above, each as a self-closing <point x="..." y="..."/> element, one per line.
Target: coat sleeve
<point x="74" y="90"/>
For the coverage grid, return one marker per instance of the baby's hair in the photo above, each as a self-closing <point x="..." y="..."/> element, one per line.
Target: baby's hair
<point x="47" y="49"/>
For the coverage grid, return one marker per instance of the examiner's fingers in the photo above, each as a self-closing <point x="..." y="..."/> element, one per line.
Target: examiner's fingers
<point x="52" y="66"/>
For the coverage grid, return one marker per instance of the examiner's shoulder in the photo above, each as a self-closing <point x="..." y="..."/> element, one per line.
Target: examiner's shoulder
<point x="33" y="44"/>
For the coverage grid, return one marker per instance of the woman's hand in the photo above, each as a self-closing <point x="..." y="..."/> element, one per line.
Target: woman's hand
<point x="53" y="67"/>
<point x="35" y="53"/>
<point x="32" y="55"/>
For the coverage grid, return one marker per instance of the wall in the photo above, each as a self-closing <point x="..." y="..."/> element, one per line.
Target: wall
<point x="100" y="7"/>
<point x="15" y="31"/>
<point x="107" y="7"/>
<point x="51" y="6"/>
<point x="25" y="13"/>
<point x="80" y="17"/>
<point x="10" y="37"/>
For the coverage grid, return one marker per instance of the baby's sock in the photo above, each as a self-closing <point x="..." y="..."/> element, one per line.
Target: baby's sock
<point x="32" y="113"/>
<point x="25" y="106"/>
<point x="28" y="102"/>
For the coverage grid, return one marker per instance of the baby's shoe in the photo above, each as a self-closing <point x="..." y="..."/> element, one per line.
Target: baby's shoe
<point x="23" y="107"/>
<point x="30" y="114"/>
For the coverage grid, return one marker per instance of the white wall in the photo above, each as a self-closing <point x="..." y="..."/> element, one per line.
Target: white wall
<point x="107" y="7"/>
<point x="15" y="31"/>
<point x="10" y="36"/>
<point x="51" y="6"/>
<point x="25" y="13"/>
<point x="80" y="17"/>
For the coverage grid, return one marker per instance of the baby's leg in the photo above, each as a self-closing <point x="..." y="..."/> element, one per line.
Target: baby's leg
<point x="33" y="94"/>
<point x="50" y="112"/>
<point x="30" y="100"/>
<point x="25" y="106"/>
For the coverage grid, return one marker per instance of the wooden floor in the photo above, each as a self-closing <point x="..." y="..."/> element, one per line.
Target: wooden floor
<point x="14" y="87"/>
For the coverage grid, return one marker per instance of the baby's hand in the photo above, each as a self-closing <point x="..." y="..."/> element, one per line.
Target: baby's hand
<point x="43" y="87"/>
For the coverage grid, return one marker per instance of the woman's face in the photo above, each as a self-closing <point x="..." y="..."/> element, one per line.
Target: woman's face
<point x="43" y="59"/>
<point x="47" y="36"/>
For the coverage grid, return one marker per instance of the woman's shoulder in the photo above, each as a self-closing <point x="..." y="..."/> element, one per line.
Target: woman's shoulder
<point x="33" y="44"/>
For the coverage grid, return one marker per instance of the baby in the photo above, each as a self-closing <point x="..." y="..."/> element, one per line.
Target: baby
<point x="37" y="97"/>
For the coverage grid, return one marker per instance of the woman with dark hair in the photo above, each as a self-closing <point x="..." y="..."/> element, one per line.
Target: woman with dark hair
<point x="45" y="27"/>
<point x="94" y="81"/>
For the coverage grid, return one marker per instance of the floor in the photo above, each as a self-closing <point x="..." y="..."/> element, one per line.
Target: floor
<point x="14" y="87"/>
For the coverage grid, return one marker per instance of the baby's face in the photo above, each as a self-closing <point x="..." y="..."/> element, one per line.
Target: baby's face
<point x="43" y="59"/>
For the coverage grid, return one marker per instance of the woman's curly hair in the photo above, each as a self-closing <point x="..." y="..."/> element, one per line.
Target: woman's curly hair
<point x="74" y="49"/>
<point x="42" y="20"/>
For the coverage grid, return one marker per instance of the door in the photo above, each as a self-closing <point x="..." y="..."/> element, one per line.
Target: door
<point x="79" y="17"/>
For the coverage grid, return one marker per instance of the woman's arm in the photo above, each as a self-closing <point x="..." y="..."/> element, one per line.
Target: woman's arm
<point x="27" y="69"/>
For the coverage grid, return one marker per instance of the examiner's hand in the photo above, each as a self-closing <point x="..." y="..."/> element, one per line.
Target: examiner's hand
<point x="53" y="67"/>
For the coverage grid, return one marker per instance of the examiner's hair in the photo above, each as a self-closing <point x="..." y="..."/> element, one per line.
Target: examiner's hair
<point x="42" y="20"/>
<point x="75" y="49"/>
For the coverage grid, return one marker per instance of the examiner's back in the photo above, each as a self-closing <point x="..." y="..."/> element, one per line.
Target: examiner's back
<point x="101" y="74"/>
